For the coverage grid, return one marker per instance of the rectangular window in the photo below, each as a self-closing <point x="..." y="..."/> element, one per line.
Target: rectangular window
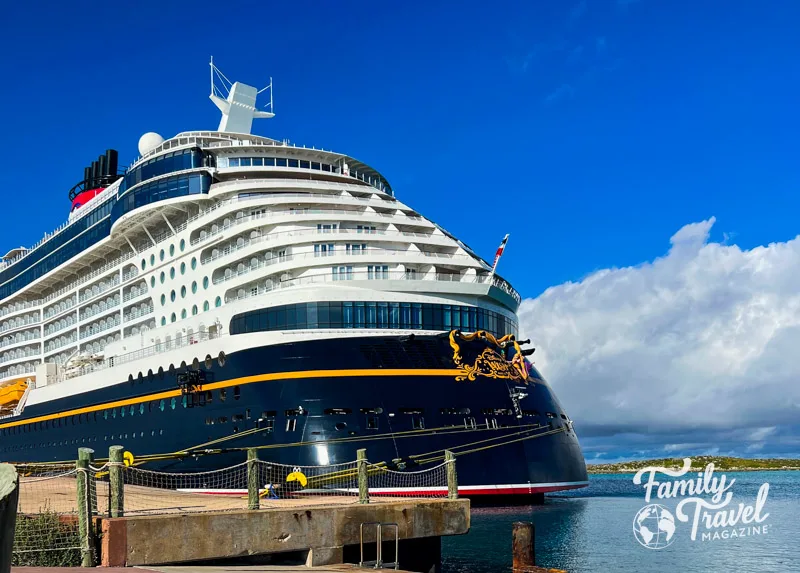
<point x="365" y="229"/>
<point x="269" y="162"/>
<point x="280" y="162"/>
<point x="233" y="162"/>
<point x="315" y="165"/>
<point x="293" y="163"/>
<point x="343" y="273"/>
<point x="323" y="249"/>
<point x="291" y="424"/>
<point x="245" y="162"/>
<point x="305" y="164"/>
<point x="258" y="161"/>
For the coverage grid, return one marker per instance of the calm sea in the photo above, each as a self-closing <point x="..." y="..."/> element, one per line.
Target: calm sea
<point x="591" y="530"/>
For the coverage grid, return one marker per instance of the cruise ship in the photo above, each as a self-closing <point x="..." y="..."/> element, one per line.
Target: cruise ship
<point x="229" y="290"/>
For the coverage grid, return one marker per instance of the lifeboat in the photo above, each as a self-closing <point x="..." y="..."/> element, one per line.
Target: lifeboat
<point x="11" y="393"/>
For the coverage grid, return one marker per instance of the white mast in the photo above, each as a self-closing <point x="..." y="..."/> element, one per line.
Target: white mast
<point x="237" y="102"/>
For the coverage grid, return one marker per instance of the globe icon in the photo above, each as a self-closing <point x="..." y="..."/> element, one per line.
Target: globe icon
<point x="654" y="526"/>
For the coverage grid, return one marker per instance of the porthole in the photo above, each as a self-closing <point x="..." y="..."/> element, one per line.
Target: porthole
<point x="218" y="302"/>
<point x="221" y="358"/>
<point x="209" y="361"/>
<point x="206" y="306"/>
<point x="163" y="299"/>
<point x="194" y="309"/>
<point x="340" y="425"/>
<point x="172" y="296"/>
<point x="144" y="264"/>
<point x="163" y="321"/>
<point x="183" y="244"/>
<point x="194" y="287"/>
<point x="171" y="250"/>
<point x="205" y="282"/>
<point x="183" y="291"/>
<point x="161" y="255"/>
<point x="183" y="313"/>
<point x="163" y="277"/>
<point x="172" y="273"/>
<point x="152" y="281"/>
<point x="194" y="263"/>
<point x="173" y="318"/>
<point x="183" y="268"/>
<point x="172" y="403"/>
<point x="152" y="260"/>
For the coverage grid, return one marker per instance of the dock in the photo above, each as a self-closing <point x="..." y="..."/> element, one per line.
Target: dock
<point x="338" y="517"/>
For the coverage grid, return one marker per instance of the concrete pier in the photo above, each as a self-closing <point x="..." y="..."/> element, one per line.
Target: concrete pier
<point x="326" y="532"/>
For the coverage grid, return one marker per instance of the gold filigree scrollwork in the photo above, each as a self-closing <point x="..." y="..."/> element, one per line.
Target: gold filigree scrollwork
<point x="489" y="363"/>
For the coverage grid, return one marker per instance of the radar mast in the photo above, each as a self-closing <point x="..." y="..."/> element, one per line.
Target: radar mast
<point x="237" y="102"/>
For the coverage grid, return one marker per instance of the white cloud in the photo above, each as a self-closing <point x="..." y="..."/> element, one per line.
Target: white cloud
<point x="697" y="346"/>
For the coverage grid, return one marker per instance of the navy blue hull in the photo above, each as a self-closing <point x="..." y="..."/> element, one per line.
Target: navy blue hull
<point x="398" y="397"/>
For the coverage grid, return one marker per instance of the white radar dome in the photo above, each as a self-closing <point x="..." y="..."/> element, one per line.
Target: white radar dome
<point x="149" y="141"/>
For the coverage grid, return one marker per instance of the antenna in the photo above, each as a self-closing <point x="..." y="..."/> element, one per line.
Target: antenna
<point x="237" y="102"/>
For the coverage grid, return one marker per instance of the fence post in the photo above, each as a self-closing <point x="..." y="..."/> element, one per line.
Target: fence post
<point x="363" y="482"/>
<point x="9" y="498"/>
<point x="452" y="477"/>
<point x="88" y="453"/>
<point x="84" y="511"/>
<point x="252" y="479"/>
<point x="116" y="465"/>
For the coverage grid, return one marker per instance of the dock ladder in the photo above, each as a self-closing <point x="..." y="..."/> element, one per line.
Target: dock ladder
<point x="378" y="563"/>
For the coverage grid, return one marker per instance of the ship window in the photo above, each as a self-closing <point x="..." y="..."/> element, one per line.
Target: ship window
<point x="183" y="244"/>
<point x="205" y="282"/>
<point x="161" y="255"/>
<point x="206" y="306"/>
<point x="152" y="281"/>
<point x="144" y="264"/>
<point x="194" y="309"/>
<point x="163" y="321"/>
<point x="233" y="162"/>
<point x="237" y="393"/>
<point x="183" y="313"/>
<point x="172" y="317"/>
<point x="172" y="272"/>
<point x="152" y="259"/>
<point x="194" y="287"/>
<point x="305" y="164"/>
<point x="163" y="299"/>
<point x="411" y="410"/>
<point x="293" y="412"/>
<point x="418" y="422"/>
<point x="338" y="411"/>
<point x="340" y="426"/>
<point x="172" y="296"/>
<point x="372" y="422"/>
<point x="223" y="420"/>
<point x="183" y="268"/>
<point x="194" y="263"/>
<point x="293" y="163"/>
<point x="171" y="250"/>
<point x="291" y="424"/>
<point x="183" y="291"/>
<point x="269" y="414"/>
<point x="218" y="302"/>
<point x="173" y="403"/>
<point x="223" y="394"/>
<point x="238" y="417"/>
<point x="378" y="410"/>
<point x="162" y="277"/>
<point x="315" y="165"/>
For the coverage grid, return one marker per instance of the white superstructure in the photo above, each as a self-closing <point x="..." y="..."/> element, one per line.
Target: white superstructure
<point x="260" y="223"/>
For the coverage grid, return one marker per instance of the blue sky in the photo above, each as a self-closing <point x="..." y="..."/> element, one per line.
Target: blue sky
<point x="590" y="130"/>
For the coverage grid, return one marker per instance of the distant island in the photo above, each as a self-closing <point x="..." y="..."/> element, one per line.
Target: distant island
<point x="721" y="463"/>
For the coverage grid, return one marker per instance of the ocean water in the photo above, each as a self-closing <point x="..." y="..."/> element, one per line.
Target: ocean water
<point x="591" y="530"/>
